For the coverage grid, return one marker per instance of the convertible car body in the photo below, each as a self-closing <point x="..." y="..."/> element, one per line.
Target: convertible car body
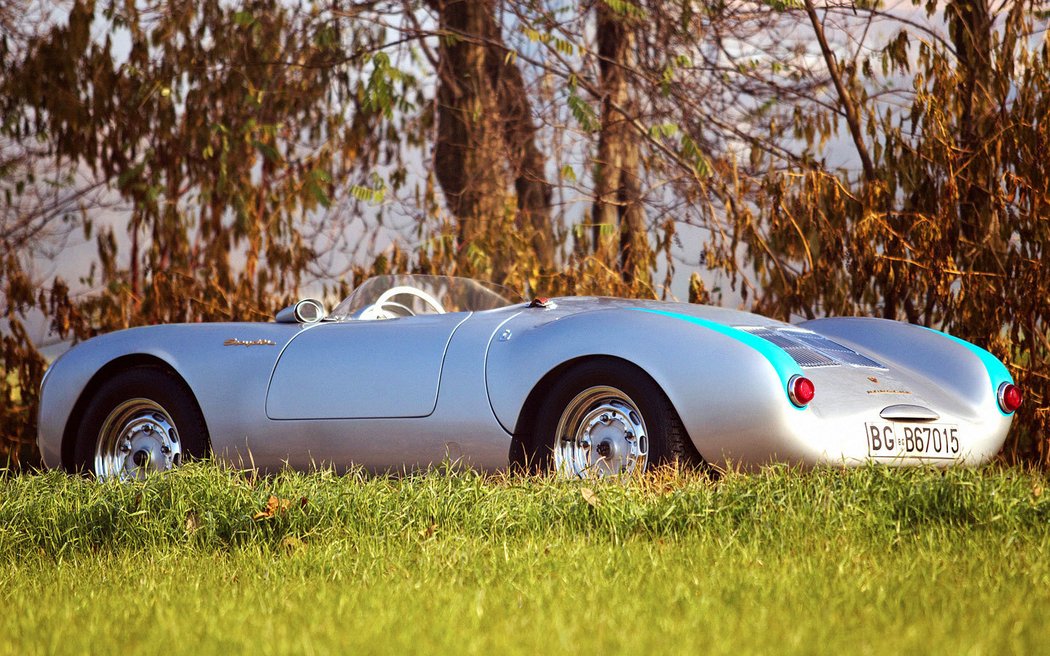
<point x="411" y="371"/>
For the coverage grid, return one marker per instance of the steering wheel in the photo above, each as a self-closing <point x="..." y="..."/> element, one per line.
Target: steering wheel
<point x="381" y="309"/>
<point x="388" y="310"/>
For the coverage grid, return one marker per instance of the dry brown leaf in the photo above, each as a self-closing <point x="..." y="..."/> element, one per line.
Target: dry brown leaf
<point x="292" y="544"/>
<point x="193" y="522"/>
<point x="274" y="506"/>
<point x="590" y="496"/>
<point x="1037" y="491"/>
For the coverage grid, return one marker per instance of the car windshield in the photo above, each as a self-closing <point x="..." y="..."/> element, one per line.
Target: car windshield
<point x="389" y="297"/>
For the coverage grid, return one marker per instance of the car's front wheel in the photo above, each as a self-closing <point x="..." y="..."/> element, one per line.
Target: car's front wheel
<point x="606" y="417"/>
<point x="141" y="421"/>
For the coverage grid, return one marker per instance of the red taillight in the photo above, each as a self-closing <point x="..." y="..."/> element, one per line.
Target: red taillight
<point x="801" y="390"/>
<point x="1009" y="397"/>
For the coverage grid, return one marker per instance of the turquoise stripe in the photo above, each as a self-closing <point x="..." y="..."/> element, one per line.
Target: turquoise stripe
<point x="783" y="364"/>
<point x="997" y="371"/>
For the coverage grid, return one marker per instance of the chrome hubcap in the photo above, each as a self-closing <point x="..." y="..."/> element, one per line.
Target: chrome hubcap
<point x="137" y="439"/>
<point x="600" y="433"/>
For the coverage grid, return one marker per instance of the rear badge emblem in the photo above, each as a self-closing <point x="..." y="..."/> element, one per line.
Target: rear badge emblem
<point x="873" y="379"/>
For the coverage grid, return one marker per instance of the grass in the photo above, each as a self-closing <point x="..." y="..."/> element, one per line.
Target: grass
<point x="206" y="560"/>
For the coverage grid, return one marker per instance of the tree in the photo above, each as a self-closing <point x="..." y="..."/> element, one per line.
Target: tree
<point x="695" y="133"/>
<point x="224" y="130"/>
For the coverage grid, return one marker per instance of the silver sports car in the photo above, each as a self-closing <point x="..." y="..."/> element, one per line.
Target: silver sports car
<point x="411" y="371"/>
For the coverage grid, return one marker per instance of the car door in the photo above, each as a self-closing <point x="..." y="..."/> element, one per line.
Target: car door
<point x="362" y="369"/>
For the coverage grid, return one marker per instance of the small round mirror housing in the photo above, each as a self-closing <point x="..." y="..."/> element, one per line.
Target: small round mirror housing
<point x="307" y="311"/>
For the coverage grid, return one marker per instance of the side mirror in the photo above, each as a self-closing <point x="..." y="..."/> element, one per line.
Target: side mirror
<point x="305" y="311"/>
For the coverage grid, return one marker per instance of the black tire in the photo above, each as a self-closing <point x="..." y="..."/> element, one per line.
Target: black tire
<point x="142" y="389"/>
<point x="668" y="442"/>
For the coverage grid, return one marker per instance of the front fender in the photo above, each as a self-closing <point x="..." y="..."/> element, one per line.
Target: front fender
<point x="227" y="367"/>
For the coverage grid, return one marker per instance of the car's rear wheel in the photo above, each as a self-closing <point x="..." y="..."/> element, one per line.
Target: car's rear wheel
<point x="606" y="417"/>
<point x="141" y="421"/>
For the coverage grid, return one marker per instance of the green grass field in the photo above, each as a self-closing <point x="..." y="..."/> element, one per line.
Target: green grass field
<point x="203" y="561"/>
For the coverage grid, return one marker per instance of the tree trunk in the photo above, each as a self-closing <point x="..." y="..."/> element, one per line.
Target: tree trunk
<point x="486" y="137"/>
<point x="970" y="27"/>
<point x="618" y="202"/>
<point x="526" y="160"/>
<point x="468" y="156"/>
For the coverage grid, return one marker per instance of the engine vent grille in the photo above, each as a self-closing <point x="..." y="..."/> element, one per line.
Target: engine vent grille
<point x="811" y="350"/>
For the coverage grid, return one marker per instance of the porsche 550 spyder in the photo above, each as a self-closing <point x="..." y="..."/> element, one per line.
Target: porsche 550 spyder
<point x="411" y="371"/>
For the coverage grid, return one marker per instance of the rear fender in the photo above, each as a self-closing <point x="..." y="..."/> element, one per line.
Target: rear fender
<point x="726" y="393"/>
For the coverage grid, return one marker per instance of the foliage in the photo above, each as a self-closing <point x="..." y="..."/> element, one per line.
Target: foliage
<point x="209" y="507"/>
<point x="234" y="150"/>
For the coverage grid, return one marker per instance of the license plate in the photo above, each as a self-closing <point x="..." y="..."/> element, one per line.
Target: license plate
<point x="904" y="440"/>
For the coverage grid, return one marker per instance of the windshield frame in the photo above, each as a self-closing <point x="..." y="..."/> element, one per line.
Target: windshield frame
<point x="451" y="293"/>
